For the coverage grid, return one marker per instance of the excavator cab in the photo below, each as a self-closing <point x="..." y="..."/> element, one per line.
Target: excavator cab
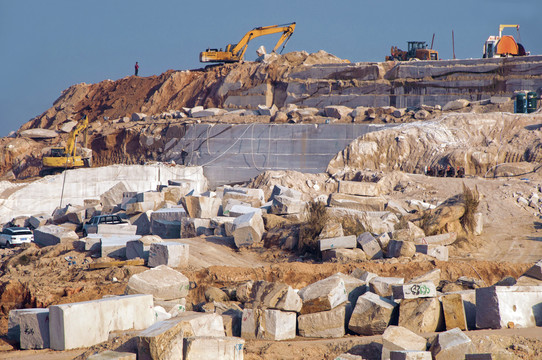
<point x="57" y="152"/>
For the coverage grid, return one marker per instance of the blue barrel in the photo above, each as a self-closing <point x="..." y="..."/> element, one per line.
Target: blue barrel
<point x="532" y="102"/>
<point x="520" y="105"/>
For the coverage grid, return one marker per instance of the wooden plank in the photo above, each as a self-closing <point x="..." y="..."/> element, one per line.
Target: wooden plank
<point x="104" y="265"/>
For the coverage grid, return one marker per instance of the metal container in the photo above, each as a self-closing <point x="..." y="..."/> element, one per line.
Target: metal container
<point x="520" y="104"/>
<point x="532" y="102"/>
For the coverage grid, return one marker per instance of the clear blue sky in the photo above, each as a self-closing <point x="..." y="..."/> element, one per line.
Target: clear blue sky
<point x="48" y="45"/>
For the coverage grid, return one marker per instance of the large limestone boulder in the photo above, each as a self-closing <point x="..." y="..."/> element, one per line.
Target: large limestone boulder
<point x="410" y="232"/>
<point x="398" y="248"/>
<point x="268" y="324"/>
<point x="372" y="314"/>
<point x="421" y="315"/>
<point x="443" y="218"/>
<point x="52" y="234"/>
<point x="323" y="324"/>
<point x="275" y="295"/>
<point x="114" y="195"/>
<point x="354" y="286"/>
<point x="383" y="286"/>
<point x="337" y="111"/>
<point x="451" y="344"/>
<point x="455" y="105"/>
<point x="248" y="229"/>
<point x="39" y="133"/>
<point x="331" y="229"/>
<point x="323" y="295"/>
<point x="161" y="282"/>
<point x="400" y="338"/>
<point x="201" y="206"/>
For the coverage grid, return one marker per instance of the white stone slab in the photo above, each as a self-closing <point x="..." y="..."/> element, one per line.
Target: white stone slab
<point x="285" y="191"/>
<point x="53" y="234"/>
<point x="323" y="295"/>
<point x="112" y="229"/>
<point x="341" y="242"/>
<point x="248" y="229"/>
<point x="115" y="245"/>
<point x="202" y="324"/>
<point x="441" y="239"/>
<point x="88" y="323"/>
<point x="268" y="324"/>
<point x="283" y="205"/>
<point x="500" y="307"/>
<point x="206" y="347"/>
<point x="359" y="188"/>
<point x="161" y="282"/>
<point x="451" y="344"/>
<point x="239" y="210"/>
<point x="439" y="252"/>
<point x="172" y="254"/>
<point x="413" y="291"/>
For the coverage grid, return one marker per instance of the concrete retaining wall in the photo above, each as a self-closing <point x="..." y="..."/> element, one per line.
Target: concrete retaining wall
<point x="236" y="153"/>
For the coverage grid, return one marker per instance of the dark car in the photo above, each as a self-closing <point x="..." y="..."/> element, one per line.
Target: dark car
<point x="91" y="226"/>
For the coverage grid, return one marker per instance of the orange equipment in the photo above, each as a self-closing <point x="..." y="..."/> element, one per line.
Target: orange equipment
<point x="503" y="45"/>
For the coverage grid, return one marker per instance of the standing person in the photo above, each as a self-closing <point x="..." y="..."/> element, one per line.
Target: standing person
<point x="136" y="67"/>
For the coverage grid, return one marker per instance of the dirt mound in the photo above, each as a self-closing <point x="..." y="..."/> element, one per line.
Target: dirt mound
<point x="478" y="142"/>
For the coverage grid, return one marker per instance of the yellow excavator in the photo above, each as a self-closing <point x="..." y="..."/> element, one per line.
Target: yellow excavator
<point x="69" y="156"/>
<point x="235" y="52"/>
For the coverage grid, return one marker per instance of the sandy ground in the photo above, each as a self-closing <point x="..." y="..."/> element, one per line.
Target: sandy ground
<point x="509" y="245"/>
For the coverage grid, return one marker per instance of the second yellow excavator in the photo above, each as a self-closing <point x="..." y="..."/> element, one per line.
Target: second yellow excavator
<point x="236" y="52"/>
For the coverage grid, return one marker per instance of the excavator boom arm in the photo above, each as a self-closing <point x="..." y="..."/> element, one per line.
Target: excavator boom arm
<point x="70" y="144"/>
<point x="287" y="31"/>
